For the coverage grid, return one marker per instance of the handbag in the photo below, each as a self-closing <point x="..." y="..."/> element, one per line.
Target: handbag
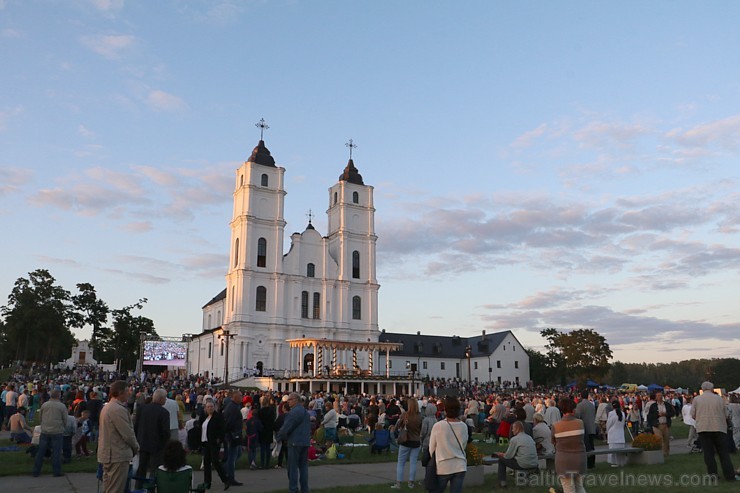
<point x="403" y="434"/>
<point x="431" y="481"/>
<point x="425" y="457"/>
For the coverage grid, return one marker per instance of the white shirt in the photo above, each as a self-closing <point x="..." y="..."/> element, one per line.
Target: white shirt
<point x="173" y="409"/>
<point x="686" y="413"/>
<point x="204" y="433"/>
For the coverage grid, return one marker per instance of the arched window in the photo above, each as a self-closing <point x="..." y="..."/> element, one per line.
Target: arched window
<point x="265" y="180"/>
<point x="355" y="265"/>
<point x="356" y="308"/>
<point x="236" y="252"/>
<point x="304" y="304"/>
<point x="335" y="197"/>
<point x="355" y="198"/>
<point x="310" y="270"/>
<point x="209" y="322"/>
<point x="261" y="252"/>
<point x="222" y="348"/>
<point x="261" y="301"/>
<point x="317" y="305"/>
<point x="241" y="181"/>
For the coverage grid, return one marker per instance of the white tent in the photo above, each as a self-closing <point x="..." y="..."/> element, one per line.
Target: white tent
<point x="642" y="388"/>
<point x="736" y="391"/>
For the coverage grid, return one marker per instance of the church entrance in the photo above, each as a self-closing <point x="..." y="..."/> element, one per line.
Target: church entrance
<point x="259" y="366"/>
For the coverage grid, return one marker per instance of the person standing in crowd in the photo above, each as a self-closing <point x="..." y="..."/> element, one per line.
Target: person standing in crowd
<point x="586" y="412"/>
<point x="615" y="422"/>
<point x="689" y="421"/>
<point x="152" y="428"/>
<point x="296" y="431"/>
<point x="711" y="414"/>
<point x="117" y="443"/>
<point x="53" y="420"/>
<point x="175" y="417"/>
<point x="659" y="417"/>
<point x="409" y="450"/>
<point x="233" y="436"/>
<point x="11" y="404"/>
<point x="267" y="416"/>
<point x="446" y="445"/>
<point x="94" y="405"/>
<point x="552" y="413"/>
<point x="602" y="412"/>
<point x="570" y="447"/>
<point x="329" y="422"/>
<point x="212" y="433"/>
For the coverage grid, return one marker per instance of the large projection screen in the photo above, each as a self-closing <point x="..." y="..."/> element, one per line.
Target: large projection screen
<point x="165" y="353"/>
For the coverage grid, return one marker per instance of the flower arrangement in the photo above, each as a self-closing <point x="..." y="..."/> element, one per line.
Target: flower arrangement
<point x="648" y="441"/>
<point x="475" y="458"/>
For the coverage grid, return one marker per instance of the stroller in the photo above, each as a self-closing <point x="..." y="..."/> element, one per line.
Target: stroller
<point x="695" y="446"/>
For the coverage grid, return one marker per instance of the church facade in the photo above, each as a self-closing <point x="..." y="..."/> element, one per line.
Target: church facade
<point x="324" y="287"/>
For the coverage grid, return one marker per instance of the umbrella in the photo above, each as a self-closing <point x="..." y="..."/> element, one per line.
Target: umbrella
<point x="591" y="384"/>
<point x="641" y="388"/>
<point x="736" y="391"/>
<point x="653" y="387"/>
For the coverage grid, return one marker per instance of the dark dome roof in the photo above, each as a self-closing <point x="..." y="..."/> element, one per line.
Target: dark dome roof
<point x="351" y="174"/>
<point x="261" y="155"/>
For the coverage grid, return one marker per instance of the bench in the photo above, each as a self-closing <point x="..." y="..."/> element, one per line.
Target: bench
<point x="550" y="458"/>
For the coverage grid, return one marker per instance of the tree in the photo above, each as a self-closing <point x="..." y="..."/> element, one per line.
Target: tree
<point x="91" y="310"/>
<point x="123" y="342"/>
<point x="539" y="368"/>
<point x="36" y="319"/>
<point x="583" y="352"/>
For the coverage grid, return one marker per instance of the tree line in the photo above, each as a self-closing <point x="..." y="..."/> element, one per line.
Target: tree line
<point x="584" y="354"/>
<point x="37" y="322"/>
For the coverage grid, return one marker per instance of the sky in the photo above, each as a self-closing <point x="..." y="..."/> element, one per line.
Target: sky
<point x="535" y="164"/>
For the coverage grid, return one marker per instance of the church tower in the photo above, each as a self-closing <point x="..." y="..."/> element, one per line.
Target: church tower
<point x="351" y="242"/>
<point x="257" y="229"/>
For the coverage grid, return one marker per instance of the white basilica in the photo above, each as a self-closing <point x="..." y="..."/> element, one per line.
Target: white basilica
<point x="320" y="299"/>
<point x="324" y="287"/>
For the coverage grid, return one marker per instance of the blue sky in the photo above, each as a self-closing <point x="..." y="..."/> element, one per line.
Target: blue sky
<point x="535" y="164"/>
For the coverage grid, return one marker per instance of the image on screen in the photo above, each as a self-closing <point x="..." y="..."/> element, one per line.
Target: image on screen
<point x="165" y="353"/>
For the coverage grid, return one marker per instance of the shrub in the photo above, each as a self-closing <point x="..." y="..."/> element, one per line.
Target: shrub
<point x="475" y="458"/>
<point x="648" y="441"/>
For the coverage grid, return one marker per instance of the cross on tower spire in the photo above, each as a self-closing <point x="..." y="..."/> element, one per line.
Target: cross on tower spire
<point x="351" y="144"/>
<point x="310" y="216"/>
<point x="262" y="125"/>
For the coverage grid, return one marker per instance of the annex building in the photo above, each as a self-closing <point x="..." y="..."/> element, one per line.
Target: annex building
<point x="308" y="317"/>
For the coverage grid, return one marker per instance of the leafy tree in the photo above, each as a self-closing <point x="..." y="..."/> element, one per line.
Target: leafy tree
<point x="91" y="310"/>
<point x="583" y="352"/>
<point x="36" y="319"/>
<point x="123" y="342"/>
<point x="539" y="368"/>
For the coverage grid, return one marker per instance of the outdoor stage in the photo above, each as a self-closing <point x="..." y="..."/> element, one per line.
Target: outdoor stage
<point x="334" y="377"/>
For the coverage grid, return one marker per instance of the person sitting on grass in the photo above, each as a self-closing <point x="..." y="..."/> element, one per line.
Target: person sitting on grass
<point x="380" y="439"/>
<point x="20" y="432"/>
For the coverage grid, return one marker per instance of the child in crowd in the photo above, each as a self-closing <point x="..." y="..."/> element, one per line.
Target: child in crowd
<point x="82" y="434"/>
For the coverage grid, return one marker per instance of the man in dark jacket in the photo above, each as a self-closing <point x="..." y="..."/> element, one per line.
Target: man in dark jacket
<point x="152" y="428"/>
<point x="233" y="436"/>
<point x="296" y="430"/>
<point x="659" y="417"/>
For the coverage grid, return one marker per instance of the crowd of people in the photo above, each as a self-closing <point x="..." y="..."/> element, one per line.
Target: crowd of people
<point x="152" y="420"/>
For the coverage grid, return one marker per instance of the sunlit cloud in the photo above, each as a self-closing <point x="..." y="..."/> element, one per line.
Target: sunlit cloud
<point x="108" y="46"/>
<point x="13" y="178"/>
<point x="164" y="101"/>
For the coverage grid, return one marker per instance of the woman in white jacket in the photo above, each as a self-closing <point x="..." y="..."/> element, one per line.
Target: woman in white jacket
<point x="447" y="444"/>
<point x="615" y="422"/>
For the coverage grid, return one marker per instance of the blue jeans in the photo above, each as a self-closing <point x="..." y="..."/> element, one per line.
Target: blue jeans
<point x="233" y="452"/>
<point x="46" y="441"/>
<point x="412" y="455"/>
<point x="455" y="480"/>
<point x="298" y="465"/>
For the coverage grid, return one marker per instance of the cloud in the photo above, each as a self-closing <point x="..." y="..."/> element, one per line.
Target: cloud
<point x="109" y="46"/>
<point x="107" y="5"/>
<point x="724" y="133"/>
<point x="164" y="101"/>
<point x="617" y="327"/>
<point x="8" y="113"/>
<point x="528" y="138"/>
<point x="85" y="132"/>
<point x="13" y="178"/>
<point x="665" y="231"/>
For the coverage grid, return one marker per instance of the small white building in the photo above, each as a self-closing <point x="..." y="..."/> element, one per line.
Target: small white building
<point x="497" y="358"/>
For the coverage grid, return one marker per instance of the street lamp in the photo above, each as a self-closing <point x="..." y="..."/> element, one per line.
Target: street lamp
<point x="468" y="354"/>
<point x="412" y="367"/>
<point x="226" y="335"/>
